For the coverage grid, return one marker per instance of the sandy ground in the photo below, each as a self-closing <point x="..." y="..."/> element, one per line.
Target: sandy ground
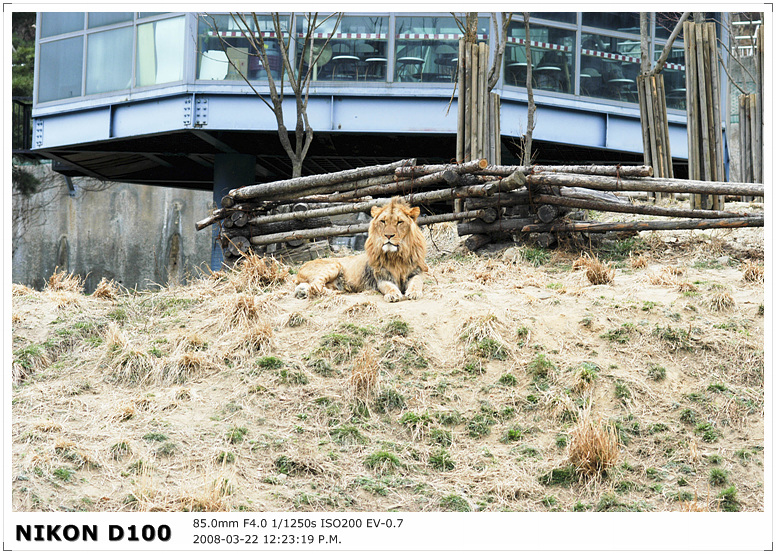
<point x="228" y="395"/>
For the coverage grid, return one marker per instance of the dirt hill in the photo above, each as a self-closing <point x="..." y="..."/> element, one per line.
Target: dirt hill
<point x="514" y="384"/>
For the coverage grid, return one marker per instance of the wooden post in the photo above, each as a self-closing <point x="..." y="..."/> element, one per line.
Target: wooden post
<point x="482" y="100"/>
<point x="459" y="140"/>
<point x="475" y="122"/>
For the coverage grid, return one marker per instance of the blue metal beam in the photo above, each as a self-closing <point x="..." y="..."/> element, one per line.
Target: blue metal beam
<point x="558" y="120"/>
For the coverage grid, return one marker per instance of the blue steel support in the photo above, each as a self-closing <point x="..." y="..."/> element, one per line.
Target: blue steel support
<point x="230" y="171"/>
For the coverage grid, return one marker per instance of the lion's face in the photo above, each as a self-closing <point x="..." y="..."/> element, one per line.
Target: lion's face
<point x="393" y="226"/>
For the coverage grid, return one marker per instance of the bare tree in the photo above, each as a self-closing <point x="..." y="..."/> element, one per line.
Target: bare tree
<point x="501" y="44"/>
<point x="530" y="124"/>
<point x="298" y="73"/>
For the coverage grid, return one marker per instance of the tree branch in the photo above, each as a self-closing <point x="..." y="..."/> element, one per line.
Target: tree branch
<point x="661" y="61"/>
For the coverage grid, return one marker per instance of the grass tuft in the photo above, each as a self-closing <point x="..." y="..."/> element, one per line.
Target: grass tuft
<point x="593" y="446"/>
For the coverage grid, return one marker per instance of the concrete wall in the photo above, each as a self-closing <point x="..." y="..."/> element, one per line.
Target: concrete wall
<point x="134" y="234"/>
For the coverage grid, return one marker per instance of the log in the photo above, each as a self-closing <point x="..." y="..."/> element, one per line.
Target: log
<point x="420" y="170"/>
<point x="336" y="188"/>
<point x="276" y="227"/>
<point x="310" y="251"/>
<point x="599" y="182"/>
<point x="672" y="225"/>
<point x="473" y="228"/>
<point x="237" y="246"/>
<point x="475" y="242"/>
<point x="632" y="208"/>
<point x="595" y="195"/>
<point x="401" y="187"/>
<point x="546" y="212"/>
<point x="340" y="230"/>
<point x="267" y="190"/>
<point x="607" y="170"/>
<point x="240" y="219"/>
<point x="217" y="215"/>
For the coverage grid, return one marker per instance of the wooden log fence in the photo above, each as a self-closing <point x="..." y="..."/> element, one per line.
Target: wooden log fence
<point x="493" y="200"/>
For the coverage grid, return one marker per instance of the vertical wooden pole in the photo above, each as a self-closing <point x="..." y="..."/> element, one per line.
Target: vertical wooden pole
<point x="482" y="100"/>
<point x="497" y="132"/>
<point x="690" y="96"/>
<point x="641" y="87"/>
<point x="459" y="140"/>
<point x="757" y="138"/>
<point x="664" y="127"/>
<point x="475" y="90"/>
<point x="467" y="148"/>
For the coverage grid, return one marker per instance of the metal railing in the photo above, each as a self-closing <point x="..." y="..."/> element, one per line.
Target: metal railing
<point x="21" y="123"/>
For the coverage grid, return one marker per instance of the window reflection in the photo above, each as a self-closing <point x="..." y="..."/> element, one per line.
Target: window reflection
<point x="625" y="22"/>
<point x="225" y="51"/>
<point x="609" y="67"/>
<point x="109" y="61"/>
<point x="427" y="48"/>
<point x="552" y="57"/>
<point x="100" y="19"/>
<point x="61" y="69"/>
<point x="58" y="23"/>
<point x="160" y="52"/>
<point x="357" y="50"/>
<point x="563" y="17"/>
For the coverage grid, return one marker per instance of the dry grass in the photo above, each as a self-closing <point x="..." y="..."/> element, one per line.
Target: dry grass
<point x="107" y="289"/>
<point x="721" y="300"/>
<point x="65" y="282"/>
<point x="361" y="309"/>
<point x="597" y="273"/>
<point x="21" y="290"/>
<point x="364" y="379"/>
<point x="256" y="272"/>
<point x="639" y="262"/>
<point x="480" y="328"/>
<point x="487" y="428"/>
<point x="753" y="272"/>
<point x="593" y="446"/>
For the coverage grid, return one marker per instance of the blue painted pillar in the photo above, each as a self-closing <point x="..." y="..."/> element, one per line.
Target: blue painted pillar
<point x="229" y="172"/>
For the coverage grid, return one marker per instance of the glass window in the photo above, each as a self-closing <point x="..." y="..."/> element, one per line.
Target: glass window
<point x="109" y="61"/>
<point x="609" y="67"/>
<point x="357" y="49"/>
<point x="427" y="47"/>
<point x="60" y="69"/>
<point x="552" y="57"/>
<point x="59" y="23"/>
<point x="100" y="19"/>
<point x="674" y="76"/>
<point x="160" y="52"/>
<point x="563" y="17"/>
<point x="142" y="15"/>
<point x="627" y="22"/>
<point x="225" y="51"/>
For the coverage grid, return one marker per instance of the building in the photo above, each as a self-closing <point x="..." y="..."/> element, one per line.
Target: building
<point x="152" y="98"/>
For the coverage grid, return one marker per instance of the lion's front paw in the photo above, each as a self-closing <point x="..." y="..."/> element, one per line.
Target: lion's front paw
<point x="414" y="294"/>
<point x="302" y="290"/>
<point x="393" y="296"/>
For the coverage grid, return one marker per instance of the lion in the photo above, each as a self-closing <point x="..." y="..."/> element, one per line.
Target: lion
<point x="393" y="260"/>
